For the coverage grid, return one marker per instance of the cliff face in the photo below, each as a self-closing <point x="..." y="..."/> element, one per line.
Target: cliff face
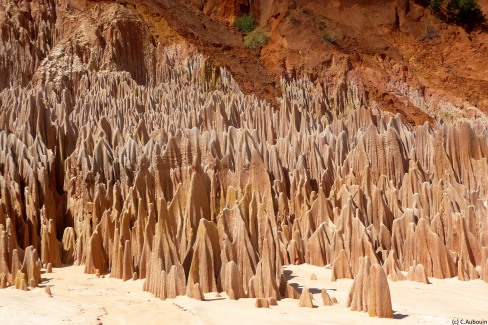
<point x="409" y="60"/>
<point x="124" y="149"/>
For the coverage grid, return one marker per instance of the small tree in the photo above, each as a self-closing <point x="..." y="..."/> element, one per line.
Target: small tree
<point x="467" y="11"/>
<point x="245" y="23"/>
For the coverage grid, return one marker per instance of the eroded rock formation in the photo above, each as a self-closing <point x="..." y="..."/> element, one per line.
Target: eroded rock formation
<point x="327" y="301"/>
<point x="370" y="291"/>
<point x="165" y="171"/>
<point x="306" y="299"/>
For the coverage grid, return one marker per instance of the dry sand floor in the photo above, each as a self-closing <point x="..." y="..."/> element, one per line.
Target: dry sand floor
<point x="85" y="299"/>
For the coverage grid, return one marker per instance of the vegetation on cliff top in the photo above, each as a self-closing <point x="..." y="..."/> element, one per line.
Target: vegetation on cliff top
<point x="466" y="12"/>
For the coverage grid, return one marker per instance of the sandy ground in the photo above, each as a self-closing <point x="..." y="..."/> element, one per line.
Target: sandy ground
<point x="85" y="299"/>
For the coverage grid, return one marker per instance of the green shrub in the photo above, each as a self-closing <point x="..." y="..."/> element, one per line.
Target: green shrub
<point x="467" y="11"/>
<point x="255" y="39"/>
<point x="245" y="23"/>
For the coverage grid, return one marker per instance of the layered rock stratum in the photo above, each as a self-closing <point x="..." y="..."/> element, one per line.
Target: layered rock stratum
<point x="141" y="159"/>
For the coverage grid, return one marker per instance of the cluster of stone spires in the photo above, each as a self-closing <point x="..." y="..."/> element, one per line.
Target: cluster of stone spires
<point x="195" y="187"/>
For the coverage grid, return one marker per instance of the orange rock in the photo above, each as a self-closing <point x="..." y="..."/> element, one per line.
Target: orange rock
<point x="232" y="282"/>
<point x="272" y="301"/>
<point x="95" y="255"/>
<point x="194" y="291"/>
<point x="127" y="270"/>
<point x="420" y="275"/>
<point x="262" y="303"/>
<point x="340" y="267"/>
<point x="428" y="245"/>
<point x="20" y="281"/>
<point x="370" y="291"/>
<point x="379" y="299"/>
<point x="264" y="283"/>
<point x="4" y="267"/>
<point x="69" y="245"/>
<point x="50" y="252"/>
<point x="392" y="268"/>
<point x="30" y="266"/>
<point x="306" y="299"/>
<point x="358" y="294"/>
<point x="205" y="261"/>
<point x="3" y="280"/>
<point x="15" y="262"/>
<point x="326" y="298"/>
